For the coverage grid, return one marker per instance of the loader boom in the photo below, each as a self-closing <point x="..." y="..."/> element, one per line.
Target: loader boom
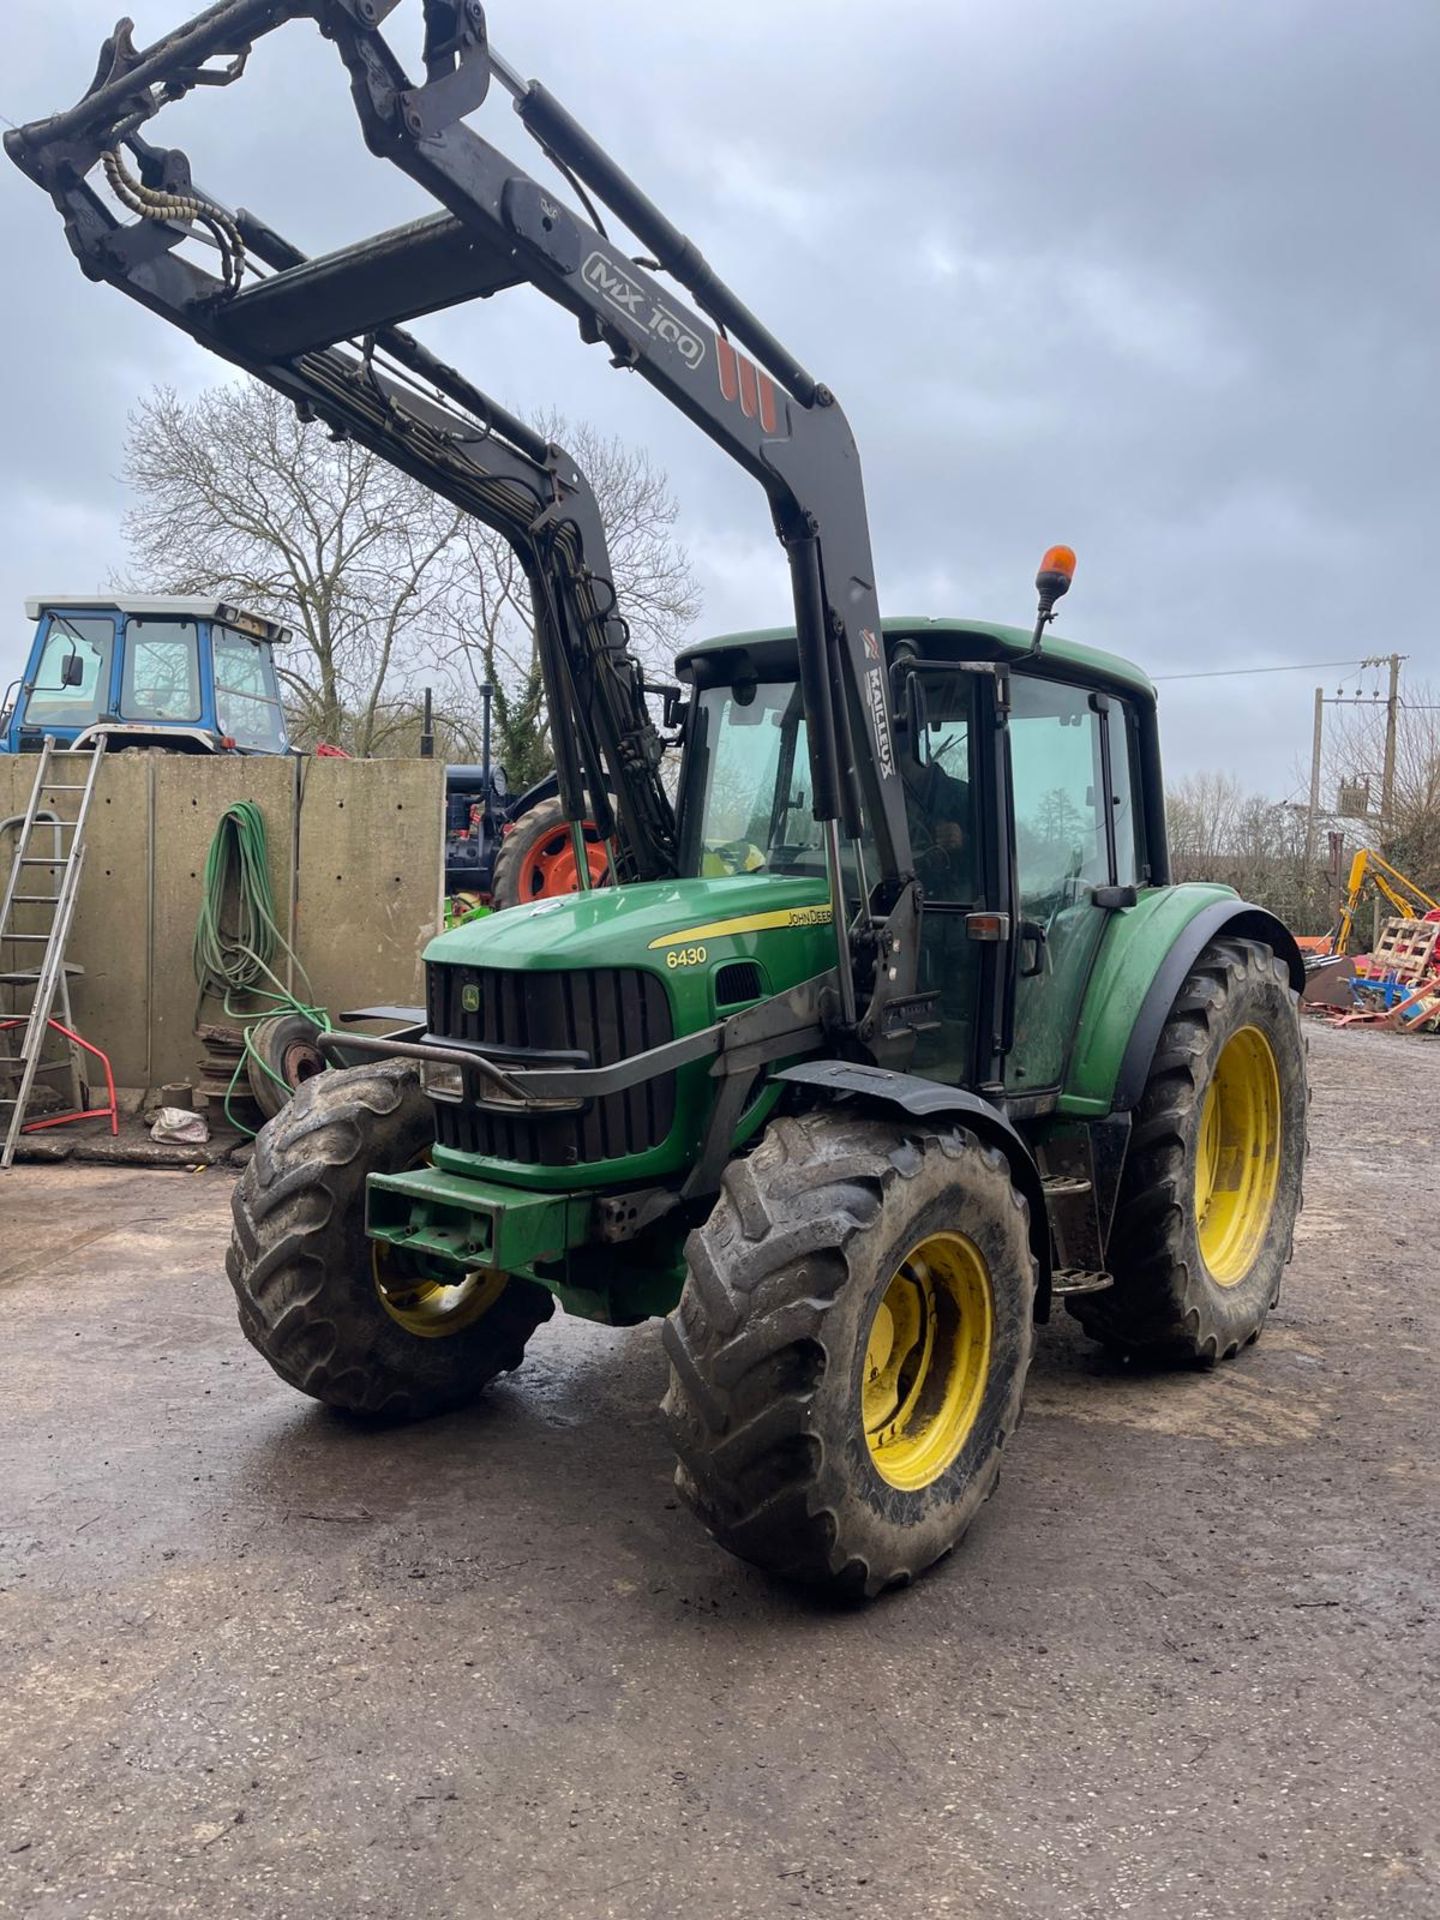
<point x="327" y="332"/>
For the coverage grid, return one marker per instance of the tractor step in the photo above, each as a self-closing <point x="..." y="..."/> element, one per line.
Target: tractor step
<point x="1057" y="1185"/>
<point x="1070" y="1280"/>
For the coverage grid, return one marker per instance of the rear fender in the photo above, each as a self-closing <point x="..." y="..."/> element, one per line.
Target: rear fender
<point x="1137" y="979"/>
<point x="1242" y="920"/>
<point x="907" y="1096"/>
<point x="168" y="739"/>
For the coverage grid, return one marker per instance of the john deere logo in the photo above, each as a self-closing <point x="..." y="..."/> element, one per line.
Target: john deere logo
<point x="470" y="999"/>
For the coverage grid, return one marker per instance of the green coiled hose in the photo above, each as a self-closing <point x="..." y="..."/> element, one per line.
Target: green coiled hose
<point x="237" y="937"/>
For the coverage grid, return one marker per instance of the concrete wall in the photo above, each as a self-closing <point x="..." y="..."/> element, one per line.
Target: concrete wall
<point x="356" y="865"/>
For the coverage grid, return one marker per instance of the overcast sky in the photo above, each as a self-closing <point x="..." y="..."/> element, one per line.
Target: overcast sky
<point x="1156" y="278"/>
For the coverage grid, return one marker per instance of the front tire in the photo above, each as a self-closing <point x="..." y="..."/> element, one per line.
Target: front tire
<point x="335" y="1313"/>
<point x="1205" y="1217"/>
<point x="849" y="1355"/>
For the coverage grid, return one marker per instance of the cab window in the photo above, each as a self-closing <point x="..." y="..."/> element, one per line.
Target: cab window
<point x="938" y="782"/>
<point x="162" y="671"/>
<point x="247" y="701"/>
<point x="1129" y="849"/>
<point x="51" y="702"/>
<point x="1061" y="847"/>
<point x="1062" y="854"/>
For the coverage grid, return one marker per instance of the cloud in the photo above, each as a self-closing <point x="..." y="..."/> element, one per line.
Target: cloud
<point x="1158" y="281"/>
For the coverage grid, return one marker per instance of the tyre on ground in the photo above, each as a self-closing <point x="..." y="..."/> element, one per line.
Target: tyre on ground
<point x="344" y="1318"/>
<point x="848" y="1357"/>
<point x="536" y="858"/>
<point x="1205" y="1217"/>
<point x="282" y="1052"/>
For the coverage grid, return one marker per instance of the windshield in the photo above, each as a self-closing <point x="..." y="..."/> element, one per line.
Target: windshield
<point x="50" y="701"/>
<point x="247" y="698"/>
<point x="750" y="784"/>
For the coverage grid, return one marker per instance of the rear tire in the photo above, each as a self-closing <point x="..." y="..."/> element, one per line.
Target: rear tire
<point x="536" y="858"/>
<point x="1205" y="1217"/>
<point x="789" y="1449"/>
<point x="305" y="1272"/>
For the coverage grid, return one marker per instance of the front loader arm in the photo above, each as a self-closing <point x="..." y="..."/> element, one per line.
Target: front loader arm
<point x="295" y="327"/>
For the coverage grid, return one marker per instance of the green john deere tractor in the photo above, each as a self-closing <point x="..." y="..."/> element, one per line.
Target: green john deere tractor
<point x="888" y="1033"/>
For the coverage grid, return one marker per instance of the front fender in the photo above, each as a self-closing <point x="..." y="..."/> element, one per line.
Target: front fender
<point x="908" y="1095"/>
<point x="1143" y="961"/>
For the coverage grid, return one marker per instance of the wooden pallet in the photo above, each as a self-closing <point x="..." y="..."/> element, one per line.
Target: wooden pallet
<point x="1418" y="1010"/>
<point x="1406" y="948"/>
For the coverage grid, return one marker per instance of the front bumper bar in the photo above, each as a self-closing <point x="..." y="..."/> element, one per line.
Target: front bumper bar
<point x="470" y="1223"/>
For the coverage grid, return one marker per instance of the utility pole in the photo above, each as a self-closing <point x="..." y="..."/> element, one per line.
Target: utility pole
<point x="1394" y="661"/>
<point x="1312" y="818"/>
<point x="1387" y="778"/>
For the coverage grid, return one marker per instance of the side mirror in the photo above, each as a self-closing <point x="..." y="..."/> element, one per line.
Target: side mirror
<point x="72" y="670"/>
<point x="672" y="701"/>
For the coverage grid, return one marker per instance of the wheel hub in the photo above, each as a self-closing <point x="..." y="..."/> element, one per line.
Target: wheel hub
<point x="421" y="1304"/>
<point x="430" y="1308"/>
<point x="551" y="866"/>
<point x="927" y="1359"/>
<point x="1237" y="1156"/>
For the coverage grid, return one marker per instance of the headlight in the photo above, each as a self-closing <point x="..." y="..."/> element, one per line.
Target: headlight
<point x="442" y="1081"/>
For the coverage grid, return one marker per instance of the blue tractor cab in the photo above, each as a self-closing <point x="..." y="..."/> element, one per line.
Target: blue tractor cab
<point x="187" y="675"/>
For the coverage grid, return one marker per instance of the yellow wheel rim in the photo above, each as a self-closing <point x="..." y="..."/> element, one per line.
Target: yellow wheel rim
<point x="426" y="1307"/>
<point x="1237" y="1156"/>
<point x="927" y="1358"/>
<point x="429" y="1308"/>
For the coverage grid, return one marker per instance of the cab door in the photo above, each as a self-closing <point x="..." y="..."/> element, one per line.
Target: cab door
<point x="951" y="764"/>
<point x="1070" y="786"/>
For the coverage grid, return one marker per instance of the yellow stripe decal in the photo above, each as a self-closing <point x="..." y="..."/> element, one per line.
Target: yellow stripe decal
<point x="748" y="923"/>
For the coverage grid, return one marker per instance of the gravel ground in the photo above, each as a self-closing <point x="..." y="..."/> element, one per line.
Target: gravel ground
<point x="255" y="1660"/>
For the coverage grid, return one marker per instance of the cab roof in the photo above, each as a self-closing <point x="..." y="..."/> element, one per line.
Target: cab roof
<point x="161" y="606"/>
<point x="988" y="641"/>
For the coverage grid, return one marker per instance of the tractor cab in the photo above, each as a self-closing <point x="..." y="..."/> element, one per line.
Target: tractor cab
<point x="187" y="675"/>
<point x="1033" y="804"/>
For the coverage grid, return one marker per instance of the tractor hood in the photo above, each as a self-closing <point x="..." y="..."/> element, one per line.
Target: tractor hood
<point x="785" y="922"/>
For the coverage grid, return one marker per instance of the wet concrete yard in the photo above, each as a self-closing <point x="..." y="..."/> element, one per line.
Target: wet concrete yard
<point x="258" y="1660"/>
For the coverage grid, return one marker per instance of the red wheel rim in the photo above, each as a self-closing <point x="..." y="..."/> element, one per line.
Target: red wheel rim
<point x="549" y="867"/>
<point x="300" y="1062"/>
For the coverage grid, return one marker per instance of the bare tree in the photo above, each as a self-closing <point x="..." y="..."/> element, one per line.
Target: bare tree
<point x="235" y="496"/>
<point x="386" y="586"/>
<point x="1220" y="833"/>
<point x="1355" y="755"/>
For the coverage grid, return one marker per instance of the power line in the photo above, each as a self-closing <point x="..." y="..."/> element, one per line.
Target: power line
<point x="1227" y="673"/>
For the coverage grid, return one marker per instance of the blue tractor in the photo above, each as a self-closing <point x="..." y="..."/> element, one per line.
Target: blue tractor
<point x="185" y="675"/>
<point x="192" y="675"/>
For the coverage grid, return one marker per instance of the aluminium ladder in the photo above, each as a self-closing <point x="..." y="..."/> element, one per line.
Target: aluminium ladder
<point x="48" y="981"/>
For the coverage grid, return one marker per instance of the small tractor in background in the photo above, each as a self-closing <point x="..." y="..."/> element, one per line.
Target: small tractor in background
<point x="890" y="1031"/>
<point x="504" y="849"/>
<point x="184" y="674"/>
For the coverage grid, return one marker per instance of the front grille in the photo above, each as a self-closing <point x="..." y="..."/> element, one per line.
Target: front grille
<point x="604" y="1014"/>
